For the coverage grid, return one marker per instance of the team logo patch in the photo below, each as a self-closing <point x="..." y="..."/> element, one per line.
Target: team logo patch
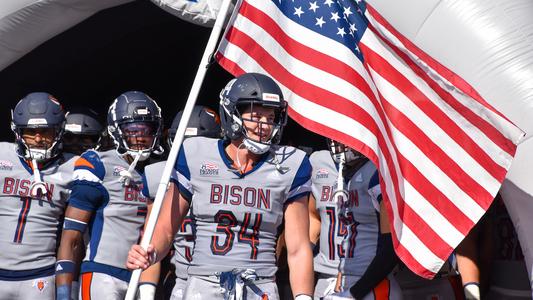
<point x="6" y="165"/>
<point x="40" y="284"/>
<point x="322" y="173"/>
<point x="117" y="170"/>
<point x="209" y="169"/>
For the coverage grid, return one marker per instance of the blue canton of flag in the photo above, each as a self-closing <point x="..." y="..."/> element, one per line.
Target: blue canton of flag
<point x="339" y="20"/>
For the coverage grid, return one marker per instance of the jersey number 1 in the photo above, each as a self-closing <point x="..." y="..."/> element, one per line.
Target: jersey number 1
<point x="336" y="223"/>
<point x="23" y="216"/>
<point x="226" y="221"/>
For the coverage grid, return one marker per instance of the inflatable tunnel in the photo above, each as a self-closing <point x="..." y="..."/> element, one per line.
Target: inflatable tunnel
<point x="100" y="47"/>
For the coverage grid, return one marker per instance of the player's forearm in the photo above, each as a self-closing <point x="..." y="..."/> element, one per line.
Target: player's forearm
<point x="67" y="265"/>
<point x="148" y="282"/>
<point x="162" y="241"/>
<point x="314" y="229"/>
<point x="173" y="212"/>
<point x="151" y="274"/>
<point x="301" y="270"/>
<point x="378" y="269"/>
<point x="69" y="251"/>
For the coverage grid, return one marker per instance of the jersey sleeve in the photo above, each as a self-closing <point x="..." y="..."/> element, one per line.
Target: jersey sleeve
<point x="88" y="193"/>
<point x="313" y="161"/>
<point x="301" y="185"/>
<point x="146" y="190"/>
<point x="181" y="175"/>
<point x="374" y="189"/>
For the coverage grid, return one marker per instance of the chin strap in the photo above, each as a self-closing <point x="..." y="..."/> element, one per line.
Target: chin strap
<point x="238" y="161"/>
<point x="234" y="282"/>
<point x="341" y="195"/>
<point x="38" y="188"/>
<point x="255" y="147"/>
<point x="125" y="175"/>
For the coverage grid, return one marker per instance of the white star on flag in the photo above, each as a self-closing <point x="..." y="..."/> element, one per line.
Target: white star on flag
<point x="313" y="6"/>
<point x="347" y="11"/>
<point x="340" y="31"/>
<point x="320" y="21"/>
<point x="353" y="28"/>
<point x="298" y="11"/>
<point x="335" y="16"/>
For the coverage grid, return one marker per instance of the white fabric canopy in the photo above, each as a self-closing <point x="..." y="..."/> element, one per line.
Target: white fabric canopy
<point x="25" y="24"/>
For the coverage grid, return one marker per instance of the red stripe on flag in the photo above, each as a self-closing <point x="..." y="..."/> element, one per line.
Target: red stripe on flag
<point x="453" y="78"/>
<point x="419" y="137"/>
<point x="489" y="130"/>
<point x="229" y="65"/>
<point x="391" y="74"/>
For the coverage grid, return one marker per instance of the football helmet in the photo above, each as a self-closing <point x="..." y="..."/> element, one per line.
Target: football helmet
<point x="133" y="119"/>
<point x="83" y="131"/>
<point x="38" y="111"/>
<point x="339" y="152"/>
<point x="203" y="122"/>
<point x="243" y="93"/>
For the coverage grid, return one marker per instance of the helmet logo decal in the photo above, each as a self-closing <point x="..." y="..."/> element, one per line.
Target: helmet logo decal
<point x="142" y="111"/>
<point x="271" y="97"/>
<point x="73" y="127"/>
<point x="191" y="131"/>
<point x="37" y="121"/>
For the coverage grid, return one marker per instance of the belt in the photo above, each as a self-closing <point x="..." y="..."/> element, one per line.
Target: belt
<point x="233" y="282"/>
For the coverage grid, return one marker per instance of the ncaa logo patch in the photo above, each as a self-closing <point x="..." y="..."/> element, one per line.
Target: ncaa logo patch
<point x="322" y="174"/>
<point x="209" y="169"/>
<point x="40" y="284"/>
<point x="117" y="170"/>
<point x="6" y="165"/>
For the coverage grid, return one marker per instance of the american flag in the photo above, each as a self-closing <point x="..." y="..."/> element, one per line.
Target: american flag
<point x="441" y="150"/>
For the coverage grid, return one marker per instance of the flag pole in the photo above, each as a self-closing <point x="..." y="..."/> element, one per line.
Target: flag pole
<point x="178" y="140"/>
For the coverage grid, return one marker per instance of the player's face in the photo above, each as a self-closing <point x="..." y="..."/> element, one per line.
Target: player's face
<point x="139" y="135"/>
<point x="338" y="149"/>
<point x="39" y="138"/>
<point x="259" y="122"/>
<point x="79" y="143"/>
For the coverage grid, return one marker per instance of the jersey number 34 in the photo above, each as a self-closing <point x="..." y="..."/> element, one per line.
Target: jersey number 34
<point x="226" y="222"/>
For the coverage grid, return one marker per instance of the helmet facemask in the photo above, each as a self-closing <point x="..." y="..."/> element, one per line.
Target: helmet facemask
<point x="45" y="150"/>
<point x="259" y="141"/>
<point x="342" y="152"/>
<point x="79" y="143"/>
<point x="138" y="138"/>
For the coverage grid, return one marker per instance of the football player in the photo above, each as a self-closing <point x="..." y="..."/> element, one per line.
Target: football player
<point x="239" y="189"/>
<point x="203" y="122"/>
<point x="369" y="257"/>
<point x="83" y="131"/>
<point x="106" y="199"/>
<point x="326" y="228"/>
<point x="34" y="179"/>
